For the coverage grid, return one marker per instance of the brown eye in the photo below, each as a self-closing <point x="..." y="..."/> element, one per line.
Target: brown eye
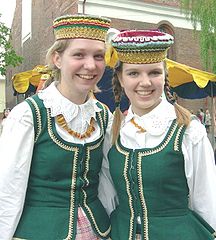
<point x="133" y="74"/>
<point x="99" y="57"/>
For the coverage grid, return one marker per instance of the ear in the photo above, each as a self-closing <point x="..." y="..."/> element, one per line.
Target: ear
<point x="57" y="60"/>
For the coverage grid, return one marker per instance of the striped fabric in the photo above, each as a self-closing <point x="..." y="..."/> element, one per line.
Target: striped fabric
<point x="84" y="229"/>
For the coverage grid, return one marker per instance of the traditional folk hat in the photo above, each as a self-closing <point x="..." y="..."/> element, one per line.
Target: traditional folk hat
<point x="141" y="46"/>
<point x="81" y="26"/>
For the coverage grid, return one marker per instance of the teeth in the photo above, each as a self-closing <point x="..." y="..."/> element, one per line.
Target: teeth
<point x="86" y="76"/>
<point x="144" y="93"/>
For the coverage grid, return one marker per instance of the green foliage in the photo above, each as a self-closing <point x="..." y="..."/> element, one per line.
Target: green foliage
<point x="203" y="13"/>
<point x="8" y="56"/>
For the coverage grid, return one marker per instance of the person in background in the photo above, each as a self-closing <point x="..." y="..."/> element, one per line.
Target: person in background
<point x="202" y="114"/>
<point x="6" y="112"/>
<point x="207" y="121"/>
<point x="50" y="168"/>
<point x="161" y="161"/>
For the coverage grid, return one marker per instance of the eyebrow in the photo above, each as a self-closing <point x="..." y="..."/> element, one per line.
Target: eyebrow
<point x="84" y="49"/>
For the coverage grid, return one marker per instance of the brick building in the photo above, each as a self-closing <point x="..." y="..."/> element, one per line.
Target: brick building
<point x="32" y="32"/>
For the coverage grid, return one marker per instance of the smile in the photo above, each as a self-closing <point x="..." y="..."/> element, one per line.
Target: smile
<point x="144" y="93"/>
<point x="87" y="77"/>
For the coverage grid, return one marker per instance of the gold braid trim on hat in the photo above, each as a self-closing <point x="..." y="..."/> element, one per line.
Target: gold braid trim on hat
<point x="80" y="32"/>
<point x="142" y="57"/>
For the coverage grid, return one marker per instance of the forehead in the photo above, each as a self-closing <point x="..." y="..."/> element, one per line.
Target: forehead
<point x="145" y="66"/>
<point x="83" y="43"/>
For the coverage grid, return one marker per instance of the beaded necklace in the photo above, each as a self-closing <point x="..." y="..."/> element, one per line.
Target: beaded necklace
<point x="142" y="130"/>
<point x="61" y="121"/>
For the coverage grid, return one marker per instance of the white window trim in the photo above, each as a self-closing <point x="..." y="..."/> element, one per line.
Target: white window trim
<point x="135" y="11"/>
<point x="28" y="35"/>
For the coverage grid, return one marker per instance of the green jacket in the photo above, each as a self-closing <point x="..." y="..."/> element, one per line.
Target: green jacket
<point x="63" y="176"/>
<point x="152" y="187"/>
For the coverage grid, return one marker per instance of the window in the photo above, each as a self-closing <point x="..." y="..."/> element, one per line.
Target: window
<point x="26" y="19"/>
<point x="167" y="29"/>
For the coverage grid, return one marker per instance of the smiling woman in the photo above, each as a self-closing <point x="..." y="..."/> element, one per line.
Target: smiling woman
<point x="161" y="158"/>
<point x="60" y="135"/>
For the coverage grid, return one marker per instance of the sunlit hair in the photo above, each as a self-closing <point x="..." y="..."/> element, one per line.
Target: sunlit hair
<point x="182" y="114"/>
<point x="58" y="47"/>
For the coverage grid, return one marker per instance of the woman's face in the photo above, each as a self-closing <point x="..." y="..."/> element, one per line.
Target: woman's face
<point x="82" y="66"/>
<point x="143" y="84"/>
<point x="6" y="112"/>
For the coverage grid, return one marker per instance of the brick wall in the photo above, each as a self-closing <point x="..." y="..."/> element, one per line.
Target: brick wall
<point x="185" y="50"/>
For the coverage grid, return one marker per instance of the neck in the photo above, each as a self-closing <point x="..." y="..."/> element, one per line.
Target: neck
<point x="76" y="98"/>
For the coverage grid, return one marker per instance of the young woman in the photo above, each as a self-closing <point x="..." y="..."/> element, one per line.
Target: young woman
<point x="161" y="161"/>
<point x="52" y="145"/>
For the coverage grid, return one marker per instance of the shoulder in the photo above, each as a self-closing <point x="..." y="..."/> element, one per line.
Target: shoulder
<point x="195" y="131"/>
<point x="103" y="107"/>
<point x="20" y="110"/>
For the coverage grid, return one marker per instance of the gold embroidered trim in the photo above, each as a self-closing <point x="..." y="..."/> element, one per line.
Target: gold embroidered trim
<point x="142" y="198"/>
<point x="19" y="239"/>
<point x="162" y="146"/>
<point x="127" y="188"/>
<point x="176" y="142"/>
<point x="38" y="116"/>
<point x="53" y="137"/>
<point x="72" y="196"/>
<point x="104" y="117"/>
<point x="141" y="56"/>
<point x="141" y="191"/>
<point x="89" y="149"/>
<point x="74" y="173"/>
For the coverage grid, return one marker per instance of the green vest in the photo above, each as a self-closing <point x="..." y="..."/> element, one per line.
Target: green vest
<point x="152" y="186"/>
<point x="63" y="177"/>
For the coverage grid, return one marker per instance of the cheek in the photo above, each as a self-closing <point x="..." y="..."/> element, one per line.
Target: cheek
<point x="160" y="83"/>
<point x="101" y="65"/>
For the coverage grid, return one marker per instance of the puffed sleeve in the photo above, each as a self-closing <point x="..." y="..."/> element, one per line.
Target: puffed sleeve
<point x="106" y="190"/>
<point x="16" y="147"/>
<point x="200" y="171"/>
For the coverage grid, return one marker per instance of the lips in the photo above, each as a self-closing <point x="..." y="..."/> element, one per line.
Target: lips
<point x="144" y="93"/>
<point x="86" y="77"/>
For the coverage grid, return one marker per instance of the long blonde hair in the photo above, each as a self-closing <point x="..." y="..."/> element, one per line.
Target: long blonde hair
<point x="182" y="114"/>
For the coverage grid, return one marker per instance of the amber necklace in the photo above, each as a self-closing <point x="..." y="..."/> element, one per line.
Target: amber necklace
<point x="61" y="121"/>
<point x="141" y="129"/>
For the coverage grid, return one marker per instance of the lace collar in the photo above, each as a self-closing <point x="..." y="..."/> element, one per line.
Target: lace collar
<point x="58" y="104"/>
<point x="157" y="121"/>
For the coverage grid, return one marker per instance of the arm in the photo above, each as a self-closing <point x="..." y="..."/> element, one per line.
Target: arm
<point x="106" y="190"/>
<point x="200" y="172"/>
<point x="16" y="147"/>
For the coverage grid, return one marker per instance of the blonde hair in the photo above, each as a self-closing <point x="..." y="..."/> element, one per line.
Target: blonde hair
<point x="117" y="91"/>
<point x="59" y="47"/>
<point x="182" y="114"/>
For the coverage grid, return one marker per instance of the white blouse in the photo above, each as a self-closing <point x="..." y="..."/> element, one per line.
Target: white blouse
<point x="200" y="168"/>
<point x="16" y="147"/>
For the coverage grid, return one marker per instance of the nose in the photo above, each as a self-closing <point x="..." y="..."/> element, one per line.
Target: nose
<point x="145" y="81"/>
<point x="90" y="63"/>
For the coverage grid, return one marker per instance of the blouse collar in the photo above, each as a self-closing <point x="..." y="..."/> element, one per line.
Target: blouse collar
<point x="59" y="104"/>
<point x="155" y="122"/>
